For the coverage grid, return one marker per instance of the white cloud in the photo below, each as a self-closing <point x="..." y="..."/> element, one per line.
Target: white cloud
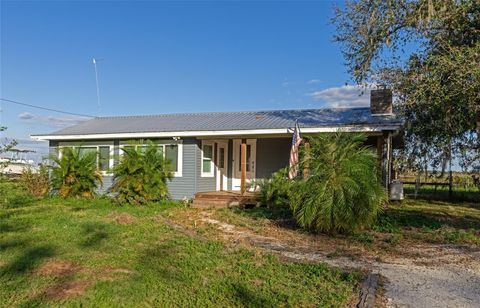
<point x="314" y="81"/>
<point x="51" y="120"/>
<point x="344" y="96"/>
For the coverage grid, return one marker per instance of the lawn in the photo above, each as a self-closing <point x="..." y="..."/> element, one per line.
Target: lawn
<point x="402" y="229"/>
<point x="93" y="253"/>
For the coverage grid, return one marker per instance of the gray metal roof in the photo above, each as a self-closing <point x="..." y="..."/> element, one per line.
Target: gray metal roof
<point x="212" y="121"/>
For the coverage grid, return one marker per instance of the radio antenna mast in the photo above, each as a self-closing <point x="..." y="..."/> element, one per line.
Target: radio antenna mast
<point x="96" y="81"/>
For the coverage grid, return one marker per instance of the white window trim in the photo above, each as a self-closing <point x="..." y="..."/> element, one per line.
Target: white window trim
<point x="212" y="169"/>
<point x="97" y="146"/>
<point x="179" y="144"/>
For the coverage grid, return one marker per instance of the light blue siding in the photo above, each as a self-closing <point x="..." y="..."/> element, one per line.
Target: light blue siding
<point x="272" y="154"/>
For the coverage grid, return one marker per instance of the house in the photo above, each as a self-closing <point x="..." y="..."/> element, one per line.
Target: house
<point x="206" y="149"/>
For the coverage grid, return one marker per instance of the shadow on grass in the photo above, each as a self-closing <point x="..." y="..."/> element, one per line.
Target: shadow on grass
<point x="249" y="298"/>
<point x="394" y="218"/>
<point x="8" y="244"/>
<point x="280" y="215"/>
<point x="94" y="234"/>
<point x="28" y="260"/>
<point x="443" y="195"/>
<point x="13" y="226"/>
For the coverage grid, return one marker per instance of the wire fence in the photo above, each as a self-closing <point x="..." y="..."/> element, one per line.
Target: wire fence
<point x="462" y="187"/>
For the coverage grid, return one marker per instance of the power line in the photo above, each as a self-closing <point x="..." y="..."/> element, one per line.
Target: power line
<point x="45" y="108"/>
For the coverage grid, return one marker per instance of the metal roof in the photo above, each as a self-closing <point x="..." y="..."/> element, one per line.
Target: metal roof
<point x="216" y="121"/>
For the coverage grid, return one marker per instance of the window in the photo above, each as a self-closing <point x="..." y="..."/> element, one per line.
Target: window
<point x="172" y="152"/>
<point x="104" y="159"/>
<point x="207" y="158"/>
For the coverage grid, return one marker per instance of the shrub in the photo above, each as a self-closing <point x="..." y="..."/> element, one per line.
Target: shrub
<point x="141" y="175"/>
<point x="75" y="173"/>
<point x="12" y="195"/>
<point x="35" y="183"/>
<point x="343" y="192"/>
<point x="274" y="191"/>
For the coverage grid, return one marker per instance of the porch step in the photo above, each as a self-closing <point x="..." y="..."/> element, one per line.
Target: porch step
<point x="221" y="199"/>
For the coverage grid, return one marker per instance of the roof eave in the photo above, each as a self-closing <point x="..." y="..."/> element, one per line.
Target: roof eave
<point x="211" y="133"/>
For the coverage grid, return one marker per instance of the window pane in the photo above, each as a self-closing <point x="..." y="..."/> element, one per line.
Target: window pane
<point x="248" y="158"/>
<point x="160" y="149"/>
<point x="85" y="150"/>
<point x="128" y="147"/>
<point x="171" y="153"/>
<point x="103" y="158"/>
<point x="207" y="166"/>
<point x="221" y="158"/>
<point x="207" y="151"/>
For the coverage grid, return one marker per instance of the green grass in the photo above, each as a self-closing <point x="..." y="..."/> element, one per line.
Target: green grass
<point x="460" y="193"/>
<point x="144" y="263"/>
<point x="433" y="221"/>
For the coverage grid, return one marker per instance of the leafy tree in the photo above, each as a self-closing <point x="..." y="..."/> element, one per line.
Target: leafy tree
<point x="428" y="51"/>
<point x="343" y="192"/>
<point x="75" y="173"/>
<point x="141" y="175"/>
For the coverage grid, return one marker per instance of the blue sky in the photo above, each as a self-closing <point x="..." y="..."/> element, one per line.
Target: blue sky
<point x="164" y="57"/>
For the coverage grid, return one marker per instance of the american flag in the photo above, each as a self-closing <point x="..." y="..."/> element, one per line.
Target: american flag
<point x="296" y="140"/>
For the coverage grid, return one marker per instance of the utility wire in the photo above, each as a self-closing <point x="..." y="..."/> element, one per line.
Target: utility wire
<point x="45" y="108"/>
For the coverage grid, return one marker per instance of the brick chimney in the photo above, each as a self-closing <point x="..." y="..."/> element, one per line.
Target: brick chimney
<point x="381" y="102"/>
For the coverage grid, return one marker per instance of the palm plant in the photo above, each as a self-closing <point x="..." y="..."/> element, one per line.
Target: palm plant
<point x="75" y="173"/>
<point x="273" y="192"/>
<point x="141" y="175"/>
<point x="343" y="192"/>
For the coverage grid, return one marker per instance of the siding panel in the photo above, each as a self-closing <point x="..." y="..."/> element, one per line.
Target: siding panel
<point x="272" y="154"/>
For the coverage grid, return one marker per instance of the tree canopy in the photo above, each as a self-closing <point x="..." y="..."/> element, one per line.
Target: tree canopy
<point x="428" y="51"/>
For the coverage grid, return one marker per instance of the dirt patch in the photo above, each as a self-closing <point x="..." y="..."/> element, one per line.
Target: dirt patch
<point x="68" y="285"/>
<point x="58" y="268"/>
<point x="122" y="218"/>
<point x="68" y="289"/>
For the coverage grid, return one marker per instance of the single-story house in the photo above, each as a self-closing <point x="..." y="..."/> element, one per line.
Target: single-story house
<point x="206" y="148"/>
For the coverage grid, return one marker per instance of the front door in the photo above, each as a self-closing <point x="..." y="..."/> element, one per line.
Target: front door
<point x="222" y="165"/>
<point x="251" y="162"/>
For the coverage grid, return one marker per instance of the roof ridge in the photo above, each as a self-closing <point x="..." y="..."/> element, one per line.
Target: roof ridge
<point x="225" y="112"/>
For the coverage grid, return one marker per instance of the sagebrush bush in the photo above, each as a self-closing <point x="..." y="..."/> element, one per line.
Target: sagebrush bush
<point x="75" y="173"/>
<point x="141" y="175"/>
<point x="343" y="193"/>
<point x="36" y="183"/>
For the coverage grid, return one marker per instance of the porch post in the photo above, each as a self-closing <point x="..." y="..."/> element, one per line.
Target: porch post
<point x="306" y="169"/>
<point x="243" y="164"/>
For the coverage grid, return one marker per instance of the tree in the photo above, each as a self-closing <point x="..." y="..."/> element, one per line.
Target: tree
<point x="428" y="51"/>
<point x="75" y="173"/>
<point x="141" y="175"/>
<point x="5" y="147"/>
<point x="343" y="192"/>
